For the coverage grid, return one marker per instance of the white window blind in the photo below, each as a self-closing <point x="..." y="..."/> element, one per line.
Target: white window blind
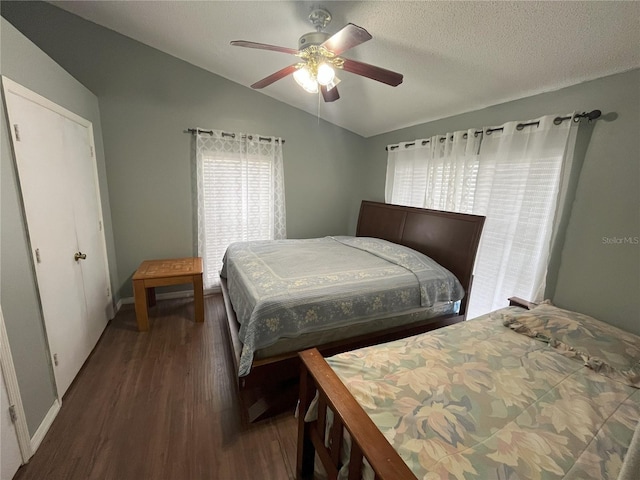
<point x="513" y="177"/>
<point x="240" y="194"/>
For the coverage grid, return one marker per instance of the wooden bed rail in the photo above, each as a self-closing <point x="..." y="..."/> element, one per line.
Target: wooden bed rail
<point x="367" y="440"/>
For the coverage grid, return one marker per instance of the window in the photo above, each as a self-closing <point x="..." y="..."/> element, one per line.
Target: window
<point x="240" y="194"/>
<point x="512" y="175"/>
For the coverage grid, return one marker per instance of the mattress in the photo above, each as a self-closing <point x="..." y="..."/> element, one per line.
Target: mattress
<point x="512" y="394"/>
<point x="286" y="288"/>
<point x="322" y="337"/>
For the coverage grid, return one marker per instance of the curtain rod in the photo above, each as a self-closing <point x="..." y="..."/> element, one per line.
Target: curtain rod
<point x="195" y="131"/>
<point x="592" y="115"/>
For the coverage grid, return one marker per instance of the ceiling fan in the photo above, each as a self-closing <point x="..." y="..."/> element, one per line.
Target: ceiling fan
<point x="319" y="58"/>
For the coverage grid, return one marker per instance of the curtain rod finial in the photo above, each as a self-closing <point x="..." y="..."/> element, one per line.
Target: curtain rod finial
<point x="593" y="114"/>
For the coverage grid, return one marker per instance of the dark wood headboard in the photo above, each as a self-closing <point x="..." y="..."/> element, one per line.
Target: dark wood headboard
<point x="451" y="239"/>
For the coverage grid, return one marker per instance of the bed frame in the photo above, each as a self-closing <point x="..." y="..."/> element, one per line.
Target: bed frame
<point x="317" y="377"/>
<point x="451" y="239"/>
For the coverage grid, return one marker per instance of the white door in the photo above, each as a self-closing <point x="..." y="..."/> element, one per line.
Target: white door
<point x="10" y="457"/>
<point x="56" y="167"/>
<point x="89" y="229"/>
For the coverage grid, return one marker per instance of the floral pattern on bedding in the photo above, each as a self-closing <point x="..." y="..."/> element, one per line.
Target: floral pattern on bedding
<point x="602" y="347"/>
<point x="284" y="288"/>
<point x="479" y="401"/>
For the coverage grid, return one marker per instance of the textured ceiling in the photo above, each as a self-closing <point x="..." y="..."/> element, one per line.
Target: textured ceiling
<point x="455" y="56"/>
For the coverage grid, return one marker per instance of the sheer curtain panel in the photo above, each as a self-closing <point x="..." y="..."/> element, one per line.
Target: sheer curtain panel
<point x="452" y="171"/>
<point x="519" y="177"/>
<point x="240" y="194"/>
<point x="407" y="166"/>
<point x="513" y="175"/>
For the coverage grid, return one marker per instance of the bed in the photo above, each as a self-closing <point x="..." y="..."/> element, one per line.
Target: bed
<point x="536" y="392"/>
<point x="394" y="296"/>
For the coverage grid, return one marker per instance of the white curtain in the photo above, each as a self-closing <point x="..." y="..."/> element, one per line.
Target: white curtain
<point x="512" y="175"/>
<point x="240" y="194"/>
<point x="407" y="166"/>
<point x="452" y="172"/>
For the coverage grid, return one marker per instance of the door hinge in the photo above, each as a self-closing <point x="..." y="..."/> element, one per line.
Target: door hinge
<point x="13" y="414"/>
<point x="108" y="292"/>
<point x="38" y="255"/>
<point x="91" y="148"/>
<point x="16" y="131"/>
<point x="55" y="359"/>
<point x="100" y="226"/>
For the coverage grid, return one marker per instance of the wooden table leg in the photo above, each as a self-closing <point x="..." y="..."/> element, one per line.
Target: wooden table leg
<point x="151" y="296"/>
<point x="142" y="315"/>
<point x="198" y="297"/>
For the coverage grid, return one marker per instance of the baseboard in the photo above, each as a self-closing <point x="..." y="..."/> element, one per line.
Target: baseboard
<point x="37" y="438"/>
<point x="169" y="296"/>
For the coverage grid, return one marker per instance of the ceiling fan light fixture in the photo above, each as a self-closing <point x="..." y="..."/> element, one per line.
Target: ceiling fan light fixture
<point x="325" y="74"/>
<point x="305" y="79"/>
<point x="319" y="57"/>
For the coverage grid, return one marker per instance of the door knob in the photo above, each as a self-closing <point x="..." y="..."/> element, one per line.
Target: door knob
<point x="79" y="256"/>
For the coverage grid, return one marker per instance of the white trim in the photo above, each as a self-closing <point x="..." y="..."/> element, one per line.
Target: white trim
<point x="13" y="392"/>
<point x="44" y="427"/>
<point x="118" y="307"/>
<point x="103" y="235"/>
<point x="13" y="87"/>
<point x="169" y="296"/>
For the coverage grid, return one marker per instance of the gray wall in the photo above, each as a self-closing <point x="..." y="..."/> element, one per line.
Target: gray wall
<point x="24" y="63"/>
<point x="585" y="274"/>
<point x="147" y="100"/>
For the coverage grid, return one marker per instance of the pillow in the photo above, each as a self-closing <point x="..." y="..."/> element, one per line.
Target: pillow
<point x="602" y="347"/>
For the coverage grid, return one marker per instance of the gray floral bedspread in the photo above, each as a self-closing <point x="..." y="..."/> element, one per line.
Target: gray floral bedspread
<point x="479" y="401"/>
<point x="283" y="288"/>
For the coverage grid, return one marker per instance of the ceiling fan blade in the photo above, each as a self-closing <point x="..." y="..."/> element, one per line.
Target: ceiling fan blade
<point x="274" y="77"/>
<point x="329" y="95"/>
<point x="264" y="46"/>
<point x="375" y="73"/>
<point x="350" y="36"/>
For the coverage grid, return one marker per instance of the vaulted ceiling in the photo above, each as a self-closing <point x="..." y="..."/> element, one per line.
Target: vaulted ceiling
<point x="455" y="56"/>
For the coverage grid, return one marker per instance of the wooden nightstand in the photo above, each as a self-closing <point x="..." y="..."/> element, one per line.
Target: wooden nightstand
<point x="519" y="302"/>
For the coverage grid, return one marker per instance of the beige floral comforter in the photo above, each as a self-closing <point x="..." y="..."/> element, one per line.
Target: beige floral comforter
<point x="479" y="401"/>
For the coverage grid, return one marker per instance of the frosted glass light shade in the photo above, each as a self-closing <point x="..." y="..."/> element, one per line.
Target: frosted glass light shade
<point x="325" y="74"/>
<point x="303" y="77"/>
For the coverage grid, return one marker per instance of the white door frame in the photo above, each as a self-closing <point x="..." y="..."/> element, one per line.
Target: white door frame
<point x="13" y="392"/>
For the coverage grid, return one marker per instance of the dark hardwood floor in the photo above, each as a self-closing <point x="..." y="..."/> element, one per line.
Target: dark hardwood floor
<point x="162" y="405"/>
